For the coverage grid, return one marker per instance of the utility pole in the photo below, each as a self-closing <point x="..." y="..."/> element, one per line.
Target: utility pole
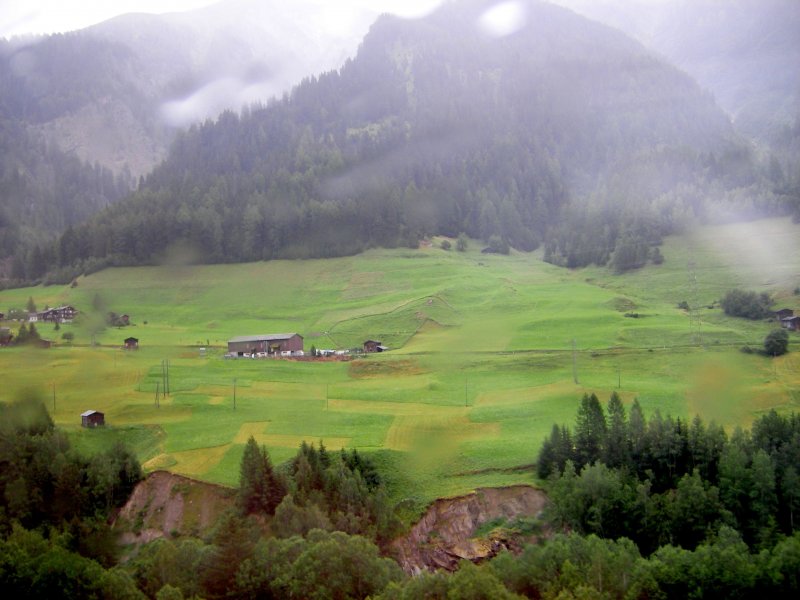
<point x="574" y="362"/>
<point x="234" y="394"/>
<point x="619" y="377"/>
<point x="694" y="304"/>
<point x="158" y="388"/>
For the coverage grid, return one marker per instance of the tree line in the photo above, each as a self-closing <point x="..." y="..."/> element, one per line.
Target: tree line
<point x="669" y="481"/>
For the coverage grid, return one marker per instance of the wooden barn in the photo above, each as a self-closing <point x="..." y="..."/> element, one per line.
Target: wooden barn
<point x="5" y="336"/>
<point x="784" y="313"/>
<point x="93" y="418"/>
<point x="791" y="323"/>
<point x="269" y="343"/>
<point x="131" y="343"/>
<point x="374" y="346"/>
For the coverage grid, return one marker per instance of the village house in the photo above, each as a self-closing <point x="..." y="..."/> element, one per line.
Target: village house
<point x="267" y="343"/>
<point x="60" y="314"/>
<point x="92" y="418"/>
<point x="131" y="343"/>
<point x="783" y="313"/>
<point x="5" y="336"/>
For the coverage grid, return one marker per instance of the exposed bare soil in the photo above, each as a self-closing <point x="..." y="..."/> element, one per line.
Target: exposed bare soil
<point x="166" y="504"/>
<point x="445" y="534"/>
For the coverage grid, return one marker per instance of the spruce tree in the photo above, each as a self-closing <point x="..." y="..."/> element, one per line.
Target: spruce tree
<point x="590" y="431"/>
<point x="260" y="490"/>
<point x="617" y="448"/>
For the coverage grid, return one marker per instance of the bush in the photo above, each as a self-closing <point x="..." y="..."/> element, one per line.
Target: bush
<point x="461" y="242"/>
<point x="748" y="305"/>
<point x="497" y="245"/>
<point x="446" y="245"/>
<point x="777" y="342"/>
<point x="683" y="304"/>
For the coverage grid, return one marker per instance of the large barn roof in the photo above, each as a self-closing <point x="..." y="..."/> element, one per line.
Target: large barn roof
<point x="91" y="412"/>
<point x="264" y="337"/>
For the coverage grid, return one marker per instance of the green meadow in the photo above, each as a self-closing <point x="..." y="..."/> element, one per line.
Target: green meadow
<point x="486" y="353"/>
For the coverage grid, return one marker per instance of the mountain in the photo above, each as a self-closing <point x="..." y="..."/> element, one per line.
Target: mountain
<point x="115" y="92"/>
<point x="746" y="52"/>
<point x="557" y="129"/>
<point x="85" y="114"/>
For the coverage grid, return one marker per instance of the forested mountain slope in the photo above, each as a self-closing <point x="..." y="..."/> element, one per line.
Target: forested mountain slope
<point x="439" y="127"/>
<point x="744" y="51"/>
<point x="85" y="114"/>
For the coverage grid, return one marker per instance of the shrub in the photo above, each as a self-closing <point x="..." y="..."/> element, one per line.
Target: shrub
<point x="748" y="305"/>
<point x="446" y="245"/>
<point x="777" y="342"/>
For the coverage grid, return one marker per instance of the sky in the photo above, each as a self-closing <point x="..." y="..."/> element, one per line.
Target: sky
<point x="19" y="17"/>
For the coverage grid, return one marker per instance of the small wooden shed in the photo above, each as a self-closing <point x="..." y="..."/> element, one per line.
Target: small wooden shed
<point x="131" y="343"/>
<point x="93" y="418"/>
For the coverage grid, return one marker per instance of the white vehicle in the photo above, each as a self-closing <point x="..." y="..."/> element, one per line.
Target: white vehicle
<point x="286" y="353"/>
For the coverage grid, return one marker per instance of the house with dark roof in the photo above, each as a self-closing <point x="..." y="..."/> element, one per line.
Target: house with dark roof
<point x="59" y="314"/>
<point x="269" y="343"/>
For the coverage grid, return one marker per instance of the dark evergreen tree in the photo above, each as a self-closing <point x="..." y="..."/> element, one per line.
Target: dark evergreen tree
<point x="590" y="431"/>
<point x="260" y="490"/>
<point x="617" y="452"/>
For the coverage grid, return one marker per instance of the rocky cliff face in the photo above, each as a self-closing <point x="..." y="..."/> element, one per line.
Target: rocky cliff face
<point x="446" y="533"/>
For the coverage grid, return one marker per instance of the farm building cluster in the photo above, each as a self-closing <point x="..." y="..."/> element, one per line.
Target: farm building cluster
<point x="287" y="345"/>
<point x="266" y="345"/>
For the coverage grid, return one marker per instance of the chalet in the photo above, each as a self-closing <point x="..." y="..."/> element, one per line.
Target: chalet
<point x="374" y="346"/>
<point x="60" y="314"/>
<point x="783" y="313"/>
<point x="5" y="336"/>
<point x="268" y="343"/>
<point x="791" y="323"/>
<point x="93" y="418"/>
<point x="131" y="343"/>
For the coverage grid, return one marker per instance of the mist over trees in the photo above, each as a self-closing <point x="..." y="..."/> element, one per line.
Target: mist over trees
<point x="565" y="133"/>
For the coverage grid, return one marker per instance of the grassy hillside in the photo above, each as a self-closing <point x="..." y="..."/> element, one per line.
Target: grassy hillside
<point x="481" y="360"/>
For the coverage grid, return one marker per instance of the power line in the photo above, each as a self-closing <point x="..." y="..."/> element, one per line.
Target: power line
<point x="694" y="304"/>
